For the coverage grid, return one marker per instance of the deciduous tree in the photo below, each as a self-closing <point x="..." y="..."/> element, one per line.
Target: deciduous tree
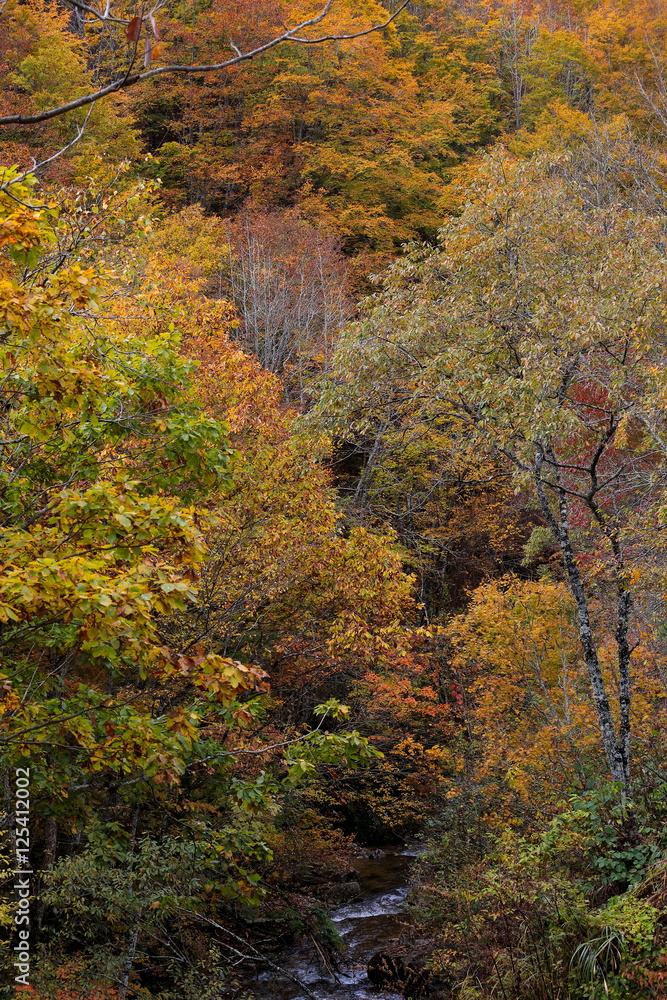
<point x="535" y="330"/>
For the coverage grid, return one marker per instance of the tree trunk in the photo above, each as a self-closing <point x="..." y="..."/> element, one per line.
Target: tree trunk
<point x="50" y="847"/>
<point x="614" y="749"/>
<point x="129" y="961"/>
<point x="134" y="932"/>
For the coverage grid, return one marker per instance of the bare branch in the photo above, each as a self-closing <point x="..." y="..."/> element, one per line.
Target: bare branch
<point x="44" y="163"/>
<point x="256" y="954"/>
<point x="130" y="80"/>
<point x="96" y="14"/>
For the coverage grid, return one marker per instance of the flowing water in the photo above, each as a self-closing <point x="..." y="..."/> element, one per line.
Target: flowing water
<point x="370" y="924"/>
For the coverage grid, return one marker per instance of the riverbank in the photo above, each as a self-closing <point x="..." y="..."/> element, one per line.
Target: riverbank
<point x="368" y="926"/>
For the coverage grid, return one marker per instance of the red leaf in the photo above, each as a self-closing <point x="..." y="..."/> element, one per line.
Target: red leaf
<point x="134" y="29"/>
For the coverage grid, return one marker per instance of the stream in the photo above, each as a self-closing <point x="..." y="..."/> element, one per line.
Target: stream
<point x="367" y="925"/>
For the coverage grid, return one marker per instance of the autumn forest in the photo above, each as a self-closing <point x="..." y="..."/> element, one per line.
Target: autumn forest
<point x="333" y="490"/>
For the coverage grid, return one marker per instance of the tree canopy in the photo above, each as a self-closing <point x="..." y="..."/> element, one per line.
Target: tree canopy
<point x="332" y="489"/>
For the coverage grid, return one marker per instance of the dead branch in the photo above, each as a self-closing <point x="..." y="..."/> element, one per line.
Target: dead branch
<point x="129" y="79"/>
